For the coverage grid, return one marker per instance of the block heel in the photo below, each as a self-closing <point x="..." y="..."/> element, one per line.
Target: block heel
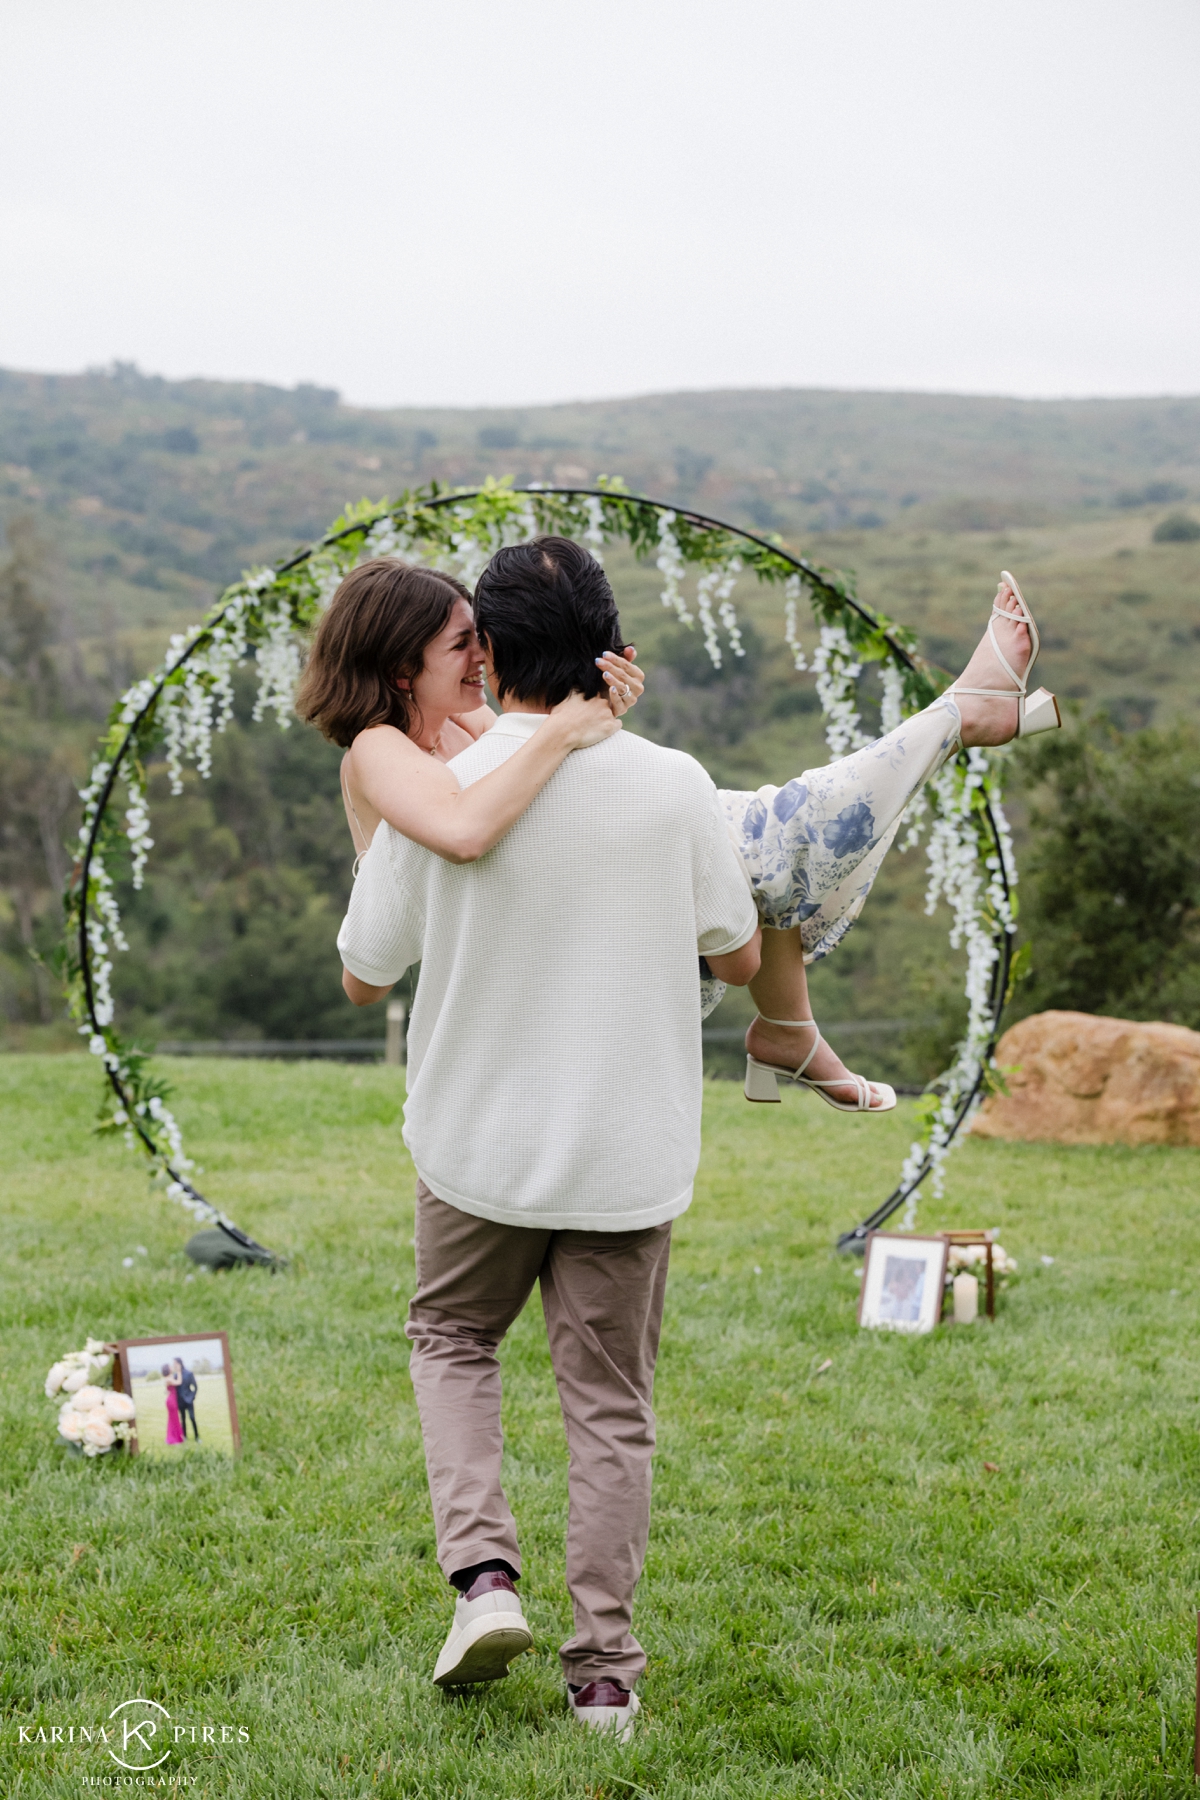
<point x="761" y="1082"/>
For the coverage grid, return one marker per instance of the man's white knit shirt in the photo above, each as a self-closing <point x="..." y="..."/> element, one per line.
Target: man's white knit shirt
<point x="554" y="1074"/>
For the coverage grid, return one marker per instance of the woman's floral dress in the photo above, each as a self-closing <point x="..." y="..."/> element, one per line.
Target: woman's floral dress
<point x="812" y="848"/>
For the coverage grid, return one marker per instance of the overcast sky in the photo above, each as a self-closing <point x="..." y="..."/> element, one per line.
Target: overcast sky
<point x="486" y="203"/>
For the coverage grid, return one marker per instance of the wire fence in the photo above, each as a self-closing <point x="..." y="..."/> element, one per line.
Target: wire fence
<point x="393" y="1047"/>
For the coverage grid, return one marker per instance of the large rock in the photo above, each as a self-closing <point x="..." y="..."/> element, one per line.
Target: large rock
<point x="1077" y="1079"/>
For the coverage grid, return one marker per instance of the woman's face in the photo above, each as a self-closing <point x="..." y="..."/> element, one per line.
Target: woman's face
<point x="452" y="679"/>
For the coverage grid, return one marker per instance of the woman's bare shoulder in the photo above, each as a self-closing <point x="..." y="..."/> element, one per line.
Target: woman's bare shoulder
<point x="380" y="740"/>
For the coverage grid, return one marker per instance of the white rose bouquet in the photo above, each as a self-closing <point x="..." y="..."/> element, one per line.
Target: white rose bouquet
<point x="92" y="1416"/>
<point x="973" y="1259"/>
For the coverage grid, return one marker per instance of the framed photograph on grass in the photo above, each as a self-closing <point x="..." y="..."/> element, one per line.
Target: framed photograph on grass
<point x="903" y="1281"/>
<point x="182" y="1389"/>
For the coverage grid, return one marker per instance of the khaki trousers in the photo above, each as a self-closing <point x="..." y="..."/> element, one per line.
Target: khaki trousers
<point x="602" y="1297"/>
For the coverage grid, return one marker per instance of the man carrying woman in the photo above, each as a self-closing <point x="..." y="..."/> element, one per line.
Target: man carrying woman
<point x="558" y="902"/>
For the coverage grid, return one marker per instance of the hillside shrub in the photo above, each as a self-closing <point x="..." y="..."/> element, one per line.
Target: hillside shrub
<point x="1177" y="528"/>
<point x="1111" y="889"/>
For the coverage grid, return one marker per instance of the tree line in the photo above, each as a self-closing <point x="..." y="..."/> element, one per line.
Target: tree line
<point x="232" y="935"/>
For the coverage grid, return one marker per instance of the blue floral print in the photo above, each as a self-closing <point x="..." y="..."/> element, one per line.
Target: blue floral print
<point x="852" y="830"/>
<point x="789" y="800"/>
<point x="813" y="848"/>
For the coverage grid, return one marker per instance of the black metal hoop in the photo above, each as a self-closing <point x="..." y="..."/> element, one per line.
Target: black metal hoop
<point x="852" y="1242"/>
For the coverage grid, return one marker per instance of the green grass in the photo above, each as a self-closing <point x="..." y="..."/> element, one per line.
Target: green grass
<point x="839" y="1598"/>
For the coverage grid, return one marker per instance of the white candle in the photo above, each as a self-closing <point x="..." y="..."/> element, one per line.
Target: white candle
<point x="966" y="1299"/>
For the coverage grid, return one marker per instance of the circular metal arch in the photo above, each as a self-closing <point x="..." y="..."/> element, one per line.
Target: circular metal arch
<point x="852" y="1241"/>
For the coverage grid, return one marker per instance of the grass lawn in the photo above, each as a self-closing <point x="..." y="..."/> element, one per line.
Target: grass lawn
<point x="840" y="1598"/>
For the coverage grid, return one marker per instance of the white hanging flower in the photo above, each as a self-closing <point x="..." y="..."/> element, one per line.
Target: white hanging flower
<point x="137" y="823"/>
<point x="669" y="563"/>
<point x="163" y="1117"/>
<point x="90" y="796"/>
<point x="280" y="659"/>
<point x="892" y="708"/>
<point x="704" y="595"/>
<point x="837" y="672"/>
<point x="471" y="547"/>
<point x="972" y="886"/>
<point x="257" y="581"/>
<point x="791" y="596"/>
<point x="136" y="698"/>
<point x="326" y="573"/>
<point x="186" y="710"/>
<point x="103" y="923"/>
<point x="714" y="588"/>
<point x="220" y="658"/>
<point x="386" y="538"/>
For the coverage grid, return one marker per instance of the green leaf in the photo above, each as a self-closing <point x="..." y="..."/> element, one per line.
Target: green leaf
<point x="1019" y="969"/>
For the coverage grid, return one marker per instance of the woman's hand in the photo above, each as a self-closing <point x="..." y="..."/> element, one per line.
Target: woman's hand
<point x="584" y="722"/>
<point x="625" y="681"/>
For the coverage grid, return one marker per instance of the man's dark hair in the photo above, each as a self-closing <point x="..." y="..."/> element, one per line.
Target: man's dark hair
<point x="547" y="612"/>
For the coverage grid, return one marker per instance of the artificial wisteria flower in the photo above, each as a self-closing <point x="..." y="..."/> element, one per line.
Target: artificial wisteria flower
<point x="837" y="672"/>
<point x="792" y="589"/>
<point x="670" y="566"/>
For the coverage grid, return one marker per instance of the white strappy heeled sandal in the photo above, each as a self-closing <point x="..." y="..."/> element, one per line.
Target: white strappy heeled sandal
<point x="762" y="1079"/>
<point x="1037" y="711"/>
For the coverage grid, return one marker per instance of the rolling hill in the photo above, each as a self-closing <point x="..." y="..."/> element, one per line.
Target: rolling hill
<point x="150" y="494"/>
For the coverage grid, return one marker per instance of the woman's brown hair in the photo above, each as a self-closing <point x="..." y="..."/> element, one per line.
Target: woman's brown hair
<point x="379" y="622"/>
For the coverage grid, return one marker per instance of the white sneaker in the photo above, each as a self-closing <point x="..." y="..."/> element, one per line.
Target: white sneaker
<point x="605" y="1706"/>
<point x="486" y="1635"/>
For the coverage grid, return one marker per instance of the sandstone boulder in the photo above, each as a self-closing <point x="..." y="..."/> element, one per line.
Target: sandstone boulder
<point x="1074" y="1078"/>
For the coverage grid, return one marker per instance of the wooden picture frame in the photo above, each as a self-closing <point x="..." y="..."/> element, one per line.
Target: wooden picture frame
<point x="984" y="1238"/>
<point x="130" y="1377"/>
<point x="895" y="1296"/>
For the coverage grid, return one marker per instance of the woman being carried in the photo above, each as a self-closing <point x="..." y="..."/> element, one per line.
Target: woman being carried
<point x="396" y="675"/>
<point x="813" y="848"/>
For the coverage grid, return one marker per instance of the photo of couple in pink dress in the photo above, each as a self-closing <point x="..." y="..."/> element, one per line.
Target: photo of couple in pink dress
<point x="177" y="1383"/>
<point x="180" y="1384"/>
